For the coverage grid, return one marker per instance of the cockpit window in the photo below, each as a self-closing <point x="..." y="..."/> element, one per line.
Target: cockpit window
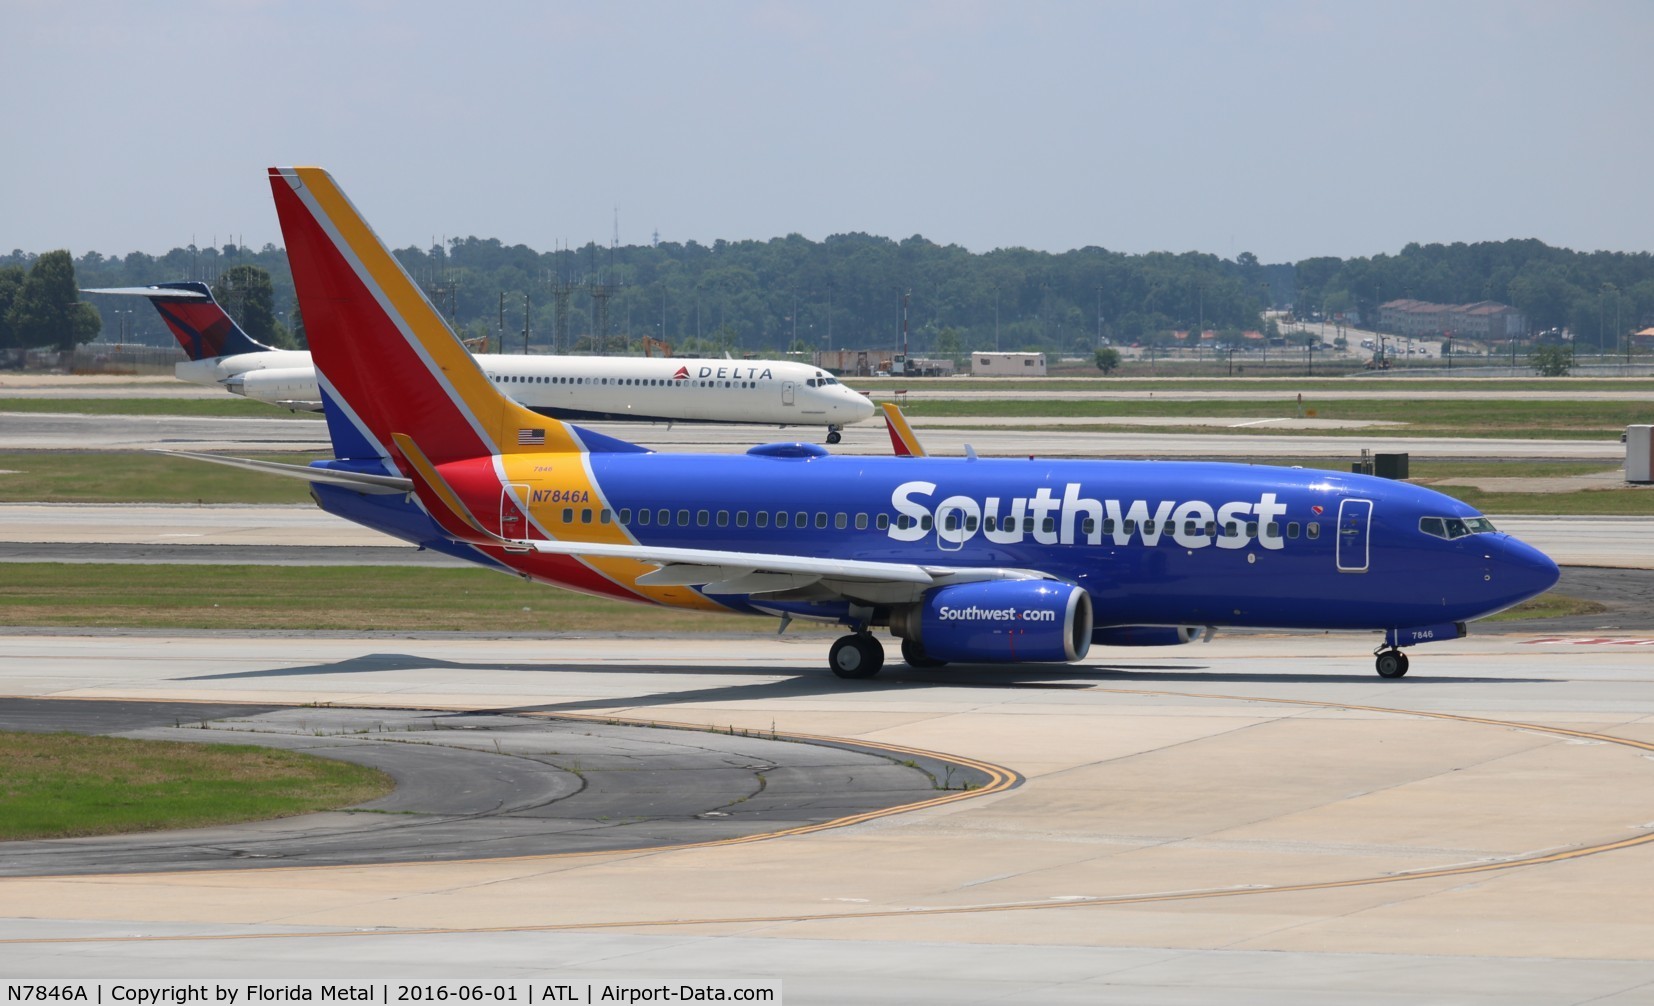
<point x="1455" y="527"/>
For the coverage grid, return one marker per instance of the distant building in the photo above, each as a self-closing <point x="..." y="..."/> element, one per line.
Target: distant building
<point x="1008" y="364"/>
<point x="1485" y="320"/>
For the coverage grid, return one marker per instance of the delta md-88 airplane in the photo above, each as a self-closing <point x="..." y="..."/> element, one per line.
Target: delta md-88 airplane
<point x="587" y="388"/>
<point x="965" y="560"/>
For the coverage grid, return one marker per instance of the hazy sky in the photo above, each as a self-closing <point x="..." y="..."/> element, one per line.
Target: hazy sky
<point x="1288" y="128"/>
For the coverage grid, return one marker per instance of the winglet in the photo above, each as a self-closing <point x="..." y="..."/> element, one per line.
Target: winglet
<point x="903" y="441"/>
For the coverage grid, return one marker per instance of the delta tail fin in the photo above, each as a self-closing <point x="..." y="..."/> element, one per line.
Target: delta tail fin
<point x="195" y="319"/>
<point x="383" y="355"/>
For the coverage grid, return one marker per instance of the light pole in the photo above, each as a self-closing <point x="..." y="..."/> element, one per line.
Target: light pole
<point x="1602" y="318"/>
<point x="996" y="319"/>
<point x="1099" y="316"/>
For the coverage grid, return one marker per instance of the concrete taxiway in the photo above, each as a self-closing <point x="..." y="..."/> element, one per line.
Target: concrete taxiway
<point x="1255" y="819"/>
<point x="494" y="785"/>
<point x="987" y="436"/>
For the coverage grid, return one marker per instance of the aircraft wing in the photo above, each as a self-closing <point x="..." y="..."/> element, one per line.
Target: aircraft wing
<point x="716" y="571"/>
<point x="721" y="571"/>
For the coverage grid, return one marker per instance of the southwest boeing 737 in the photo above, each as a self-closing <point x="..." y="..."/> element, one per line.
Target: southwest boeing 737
<point x="965" y="560"/>
<point x="589" y="388"/>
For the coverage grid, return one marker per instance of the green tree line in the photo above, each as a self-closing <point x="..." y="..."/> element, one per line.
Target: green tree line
<point x="847" y="291"/>
<point x="40" y="306"/>
<point x="1596" y="295"/>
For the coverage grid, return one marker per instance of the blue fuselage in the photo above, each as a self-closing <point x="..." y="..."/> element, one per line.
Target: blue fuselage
<point x="1152" y="543"/>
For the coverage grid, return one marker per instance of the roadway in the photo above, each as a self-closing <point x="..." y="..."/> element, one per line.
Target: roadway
<point x="988" y="436"/>
<point x="1260" y="818"/>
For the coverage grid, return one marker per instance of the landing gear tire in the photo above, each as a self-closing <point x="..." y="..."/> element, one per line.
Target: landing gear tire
<point x="857" y="656"/>
<point x="1391" y="664"/>
<point x="914" y="655"/>
<point x="834" y="436"/>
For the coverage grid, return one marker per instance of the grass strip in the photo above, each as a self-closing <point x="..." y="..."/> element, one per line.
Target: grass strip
<point x="1306" y="385"/>
<point x="65" y="785"/>
<point x="1552" y="605"/>
<point x="140" y="477"/>
<point x="232" y="406"/>
<point x="314" y="598"/>
<point x="1518" y="418"/>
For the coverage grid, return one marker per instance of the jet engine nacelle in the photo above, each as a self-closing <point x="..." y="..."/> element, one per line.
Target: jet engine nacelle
<point x="999" y="621"/>
<point x="277" y="385"/>
<point x="1145" y="635"/>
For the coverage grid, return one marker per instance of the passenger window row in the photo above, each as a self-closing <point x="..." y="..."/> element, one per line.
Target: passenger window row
<point x="648" y="382"/>
<point x="666" y="517"/>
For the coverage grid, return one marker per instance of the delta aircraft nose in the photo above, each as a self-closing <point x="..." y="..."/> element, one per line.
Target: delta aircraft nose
<point x="862" y="407"/>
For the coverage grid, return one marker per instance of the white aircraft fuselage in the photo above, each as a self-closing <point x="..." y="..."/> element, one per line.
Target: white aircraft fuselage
<point x="770" y="392"/>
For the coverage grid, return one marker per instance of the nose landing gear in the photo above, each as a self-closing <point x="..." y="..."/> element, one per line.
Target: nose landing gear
<point x="834" y="435"/>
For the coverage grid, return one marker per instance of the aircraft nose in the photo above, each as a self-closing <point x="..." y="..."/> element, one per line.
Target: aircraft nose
<point x="863" y="407"/>
<point x="1524" y="569"/>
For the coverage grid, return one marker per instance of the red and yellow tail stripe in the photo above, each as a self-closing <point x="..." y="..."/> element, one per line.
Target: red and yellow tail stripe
<point x="405" y="379"/>
<point x="903" y="441"/>
<point x="381" y="345"/>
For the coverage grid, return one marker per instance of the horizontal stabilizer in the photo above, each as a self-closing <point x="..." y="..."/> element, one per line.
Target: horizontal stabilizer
<point x="360" y="481"/>
<point x="156" y="292"/>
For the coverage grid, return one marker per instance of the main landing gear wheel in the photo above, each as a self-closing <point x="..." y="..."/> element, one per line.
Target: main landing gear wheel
<point x="857" y="656"/>
<point x="914" y="655"/>
<point x="1391" y="664"/>
<point x="833" y="435"/>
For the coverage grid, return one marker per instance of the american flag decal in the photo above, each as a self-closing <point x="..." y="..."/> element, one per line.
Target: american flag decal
<point x="531" y="438"/>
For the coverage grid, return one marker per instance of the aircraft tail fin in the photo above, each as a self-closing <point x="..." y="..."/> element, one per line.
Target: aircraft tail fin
<point x="903" y="441"/>
<point x="382" y="351"/>
<point x="195" y="319"/>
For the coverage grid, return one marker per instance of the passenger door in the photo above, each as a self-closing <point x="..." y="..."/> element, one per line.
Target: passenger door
<point x="1355" y="518"/>
<point x="786" y="392"/>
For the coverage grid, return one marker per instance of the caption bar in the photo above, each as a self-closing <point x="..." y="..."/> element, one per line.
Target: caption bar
<point x="265" y="993"/>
